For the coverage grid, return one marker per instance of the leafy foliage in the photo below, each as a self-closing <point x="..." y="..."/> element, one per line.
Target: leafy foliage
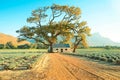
<point x="53" y="21"/>
<point x="9" y="45"/>
<point x="25" y="46"/>
<point x="1" y="46"/>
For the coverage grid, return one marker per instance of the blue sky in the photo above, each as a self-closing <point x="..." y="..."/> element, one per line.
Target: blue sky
<point x="102" y="15"/>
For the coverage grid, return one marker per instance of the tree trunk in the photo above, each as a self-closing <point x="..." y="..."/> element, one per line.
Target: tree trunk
<point x="50" y="50"/>
<point x="76" y="45"/>
<point x="74" y="49"/>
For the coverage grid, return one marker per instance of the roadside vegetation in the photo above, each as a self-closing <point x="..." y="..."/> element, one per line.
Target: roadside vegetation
<point x="18" y="59"/>
<point x="9" y="45"/>
<point x="111" y="56"/>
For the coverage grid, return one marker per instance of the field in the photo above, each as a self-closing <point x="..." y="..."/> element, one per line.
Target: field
<point x="111" y="56"/>
<point x="39" y="65"/>
<point x="18" y="59"/>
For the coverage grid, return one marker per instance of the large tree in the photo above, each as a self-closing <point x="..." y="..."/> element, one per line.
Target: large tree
<point x="49" y="22"/>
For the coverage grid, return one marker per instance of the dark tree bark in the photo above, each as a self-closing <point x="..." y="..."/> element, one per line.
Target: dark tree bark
<point x="74" y="49"/>
<point x="50" y="50"/>
<point x="77" y="42"/>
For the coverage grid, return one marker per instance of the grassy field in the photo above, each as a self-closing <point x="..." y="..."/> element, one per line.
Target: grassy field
<point x="35" y="65"/>
<point x="111" y="56"/>
<point x="18" y="59"/>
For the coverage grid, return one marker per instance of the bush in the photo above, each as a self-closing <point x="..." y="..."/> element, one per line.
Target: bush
<point x="118" y="62"/>
<point x="103" y="59"/>
<point x="107" y="47"/>
<point x="110" y="60"/>
<point x="25" y="46"/>
<point x="12" y="66"/>
<point x="1" y="46"/>
<point x="9" y="45"/>
<point x="1" y="67"/>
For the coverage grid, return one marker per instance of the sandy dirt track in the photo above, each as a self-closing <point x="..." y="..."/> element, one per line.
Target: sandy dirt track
<point x="62" y="67"/>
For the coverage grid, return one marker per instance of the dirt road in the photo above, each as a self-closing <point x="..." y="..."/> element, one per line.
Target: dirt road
<point x="61" y="67"/>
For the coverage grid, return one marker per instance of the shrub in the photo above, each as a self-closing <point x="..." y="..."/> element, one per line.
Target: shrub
<point x="1" y="67"/>
<point x="103" y="59"/>
<point x="118" y="62"/>
<point x="9" y="45"/>
<point x="25" y="46"/>
<point x="107" y="47"/>
<point x="1" y="46"/>
<point x="12" y="66"/>
<point x="110" y="60"/>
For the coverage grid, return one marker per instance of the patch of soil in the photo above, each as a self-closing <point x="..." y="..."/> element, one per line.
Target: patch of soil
<point x="62" y="67"/>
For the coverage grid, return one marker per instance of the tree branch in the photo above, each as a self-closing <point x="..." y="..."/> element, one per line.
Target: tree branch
<point x="55" y="15"/>
<point x="64" y="17"/>
<point x="43" y="43"/>
<point x="57" y="34"/>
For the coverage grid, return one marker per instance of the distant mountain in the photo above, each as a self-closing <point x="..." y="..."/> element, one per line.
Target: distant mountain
<point x="97" y="40"/>
<point x="4" y="38"/>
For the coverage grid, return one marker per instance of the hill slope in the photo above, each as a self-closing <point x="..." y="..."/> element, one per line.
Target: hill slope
<point x="97" y="40"/>
<point x="4" y="38"/>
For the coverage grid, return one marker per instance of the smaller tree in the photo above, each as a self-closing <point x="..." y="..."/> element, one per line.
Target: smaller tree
<point x="82" y="31"/>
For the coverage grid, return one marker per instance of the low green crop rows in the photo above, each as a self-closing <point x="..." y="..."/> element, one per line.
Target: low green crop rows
<point x="110" y="56"/>
<point x="17" y="61"/>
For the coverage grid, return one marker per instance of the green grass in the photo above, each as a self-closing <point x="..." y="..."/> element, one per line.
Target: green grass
<point x="110" y="56"/>
<point x="18" y="59"/>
